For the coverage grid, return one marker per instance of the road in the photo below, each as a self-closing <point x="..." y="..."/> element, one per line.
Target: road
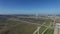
<point x="34" y="23"/>
<point x="47" y="28"/>
<point x="37" y="30"/>
<point x="25" y="22"/>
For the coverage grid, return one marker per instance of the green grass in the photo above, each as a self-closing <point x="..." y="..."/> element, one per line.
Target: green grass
<point x="42" y="29"/>
<point x="22" y="29"/>
<point x="47" y="22"/>
<point x="36" y="32"/>
<point x="38" y="22"/>
<point x="1" y="27"/>
<point x="9" y="21"/>
<point x="49" y="31"/>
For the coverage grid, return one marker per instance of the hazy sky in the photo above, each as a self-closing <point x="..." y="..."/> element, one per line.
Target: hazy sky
<point x="29" y="6"/>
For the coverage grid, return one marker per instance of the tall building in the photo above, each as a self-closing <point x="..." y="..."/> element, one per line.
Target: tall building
<point x="57" y="25"/>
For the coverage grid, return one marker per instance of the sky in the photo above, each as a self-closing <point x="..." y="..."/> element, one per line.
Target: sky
<point x="29" y="6"/>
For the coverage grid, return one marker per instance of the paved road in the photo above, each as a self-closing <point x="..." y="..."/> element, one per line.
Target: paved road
<point x="34" y="23"/>
<point x="26" y="22"/>
<point x="37" y="30"/>
<point x="47" y="28"/>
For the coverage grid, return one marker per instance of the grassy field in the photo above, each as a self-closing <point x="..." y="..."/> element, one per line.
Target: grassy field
<point x="49" y="31"/>
<point x="1" y="27"/>
<point x="36" y="32"/>
<point x="38" y="21"/>
<point x="21" y="29"/>
<point x="24" y="28"/>
<point x="9" y="21"/>
<point x="47" y="22"/>
<point x="33" y="20"/>
<point x="42" y="29"/>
